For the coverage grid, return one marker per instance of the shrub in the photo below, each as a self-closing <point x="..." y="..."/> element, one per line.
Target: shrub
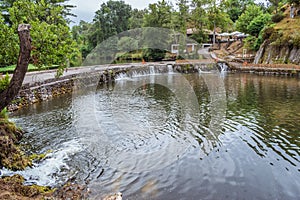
<point x="4" y="82"/>
<point x="277" y="17"/>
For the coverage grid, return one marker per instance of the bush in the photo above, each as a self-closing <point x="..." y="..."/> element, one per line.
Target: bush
<point x="4" y="82"/>
<point x="153" y="54"/>
<point x="277" y="17"/>
<point x="258" y="23"/>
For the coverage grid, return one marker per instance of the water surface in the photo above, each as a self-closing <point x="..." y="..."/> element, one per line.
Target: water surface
<point x="172" y="136"/>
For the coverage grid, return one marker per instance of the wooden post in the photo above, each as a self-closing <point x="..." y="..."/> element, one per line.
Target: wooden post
<point x="15" y="84"/>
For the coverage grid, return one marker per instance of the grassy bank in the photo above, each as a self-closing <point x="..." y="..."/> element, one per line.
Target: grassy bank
<point x="10" y="69"/>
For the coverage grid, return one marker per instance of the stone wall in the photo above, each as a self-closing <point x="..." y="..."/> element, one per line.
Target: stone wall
<point x="45" y="90"/>
<point x="38" y="91"/>
<point x="272" y="54"/>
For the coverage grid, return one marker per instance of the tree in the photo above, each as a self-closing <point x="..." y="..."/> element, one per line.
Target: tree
<point x="199" y="16"/>
<point x="112" y="18"/>
<point x="127" y="44"/>
<point x="217" y="17"/>
<point x="234" y="8"/>
<point x="245" y="19"/>
<point x="66" y="8"/>
<point x="83" y="34"/>
<point x="4" y="6"/>
<point x="8" y="44"/>
<point x="136" y="19"/>
<point x="258" y="23"/>
<point x="158" y="15"/>
<point x="15" y="84"/>
<point x="275" y="4"/>
<point x="52" y="40"/>
<point x="181" y="17"/>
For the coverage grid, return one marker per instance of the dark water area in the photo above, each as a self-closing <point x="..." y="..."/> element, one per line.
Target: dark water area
<point x="172" y="136"/>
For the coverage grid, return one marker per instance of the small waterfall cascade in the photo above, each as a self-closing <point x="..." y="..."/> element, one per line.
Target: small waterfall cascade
<point x="223" y="67"/>
<point x="152" y="70"/>
<point x="170" y="69"/>
<point x="139" y="71"/>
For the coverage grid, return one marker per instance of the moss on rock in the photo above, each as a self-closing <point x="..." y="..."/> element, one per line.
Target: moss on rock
<point x="11" y="156"/>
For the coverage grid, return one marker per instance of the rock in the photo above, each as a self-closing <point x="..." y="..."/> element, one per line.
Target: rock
<point x="271" y="54"/>
<point x="117" y="196"/>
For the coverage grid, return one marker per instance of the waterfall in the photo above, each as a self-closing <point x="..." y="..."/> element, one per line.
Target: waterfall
<point x="170" y="69"/>
<point x="152" y="70"/>
<point x="121" y="76"/>
<point x="223" y="67"/>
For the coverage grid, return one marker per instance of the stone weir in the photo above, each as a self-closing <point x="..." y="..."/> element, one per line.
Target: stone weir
<point x="42" y="86"/>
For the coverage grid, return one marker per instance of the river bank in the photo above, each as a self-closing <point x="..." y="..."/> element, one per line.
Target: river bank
<point x="14" y="158"/>
<point x="42" y="86"/>
<point x="266" y="69"/>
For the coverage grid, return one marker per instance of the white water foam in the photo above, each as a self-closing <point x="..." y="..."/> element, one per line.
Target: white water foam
<point x="45" y="172"/>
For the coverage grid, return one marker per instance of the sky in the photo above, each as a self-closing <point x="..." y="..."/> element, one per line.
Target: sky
<point x="86" y="9"/>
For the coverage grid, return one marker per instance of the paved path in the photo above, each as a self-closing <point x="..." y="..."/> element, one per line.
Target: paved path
<point x="40" y="76"/>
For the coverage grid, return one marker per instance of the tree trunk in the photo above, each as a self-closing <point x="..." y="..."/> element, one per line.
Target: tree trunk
<point x="15" y="84"/>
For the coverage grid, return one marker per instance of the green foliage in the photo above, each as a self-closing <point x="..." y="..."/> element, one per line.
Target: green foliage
<point x="4" y="82"/>
<point x="199" y="17"/>
<point x="112" y="18"/>
<point x="234" y="8"/>
<point x="51" y="38"/>
<point x="9" y="47"/>
<point x="181" y="17"/>
<point x="200" y="37"/>
<point x="10" y="69"/>
<point x="83" y="34"/>
<point x="4" y="114"/>
<point x="258" y="23"/>
<point x="251" y="12"/>
<point x="126" y="44"/>
<point x="253" y="43"/>
<point x="158" y="15"/>
<point x="153" y="54"/>
<point x="4" y="6"/>
<point x="136" y="19"/>
<point x="249" y="42"/>
<point x="217" y="17"/>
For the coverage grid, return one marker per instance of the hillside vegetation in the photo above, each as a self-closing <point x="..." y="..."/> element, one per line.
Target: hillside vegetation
<point x="281" y="41"/>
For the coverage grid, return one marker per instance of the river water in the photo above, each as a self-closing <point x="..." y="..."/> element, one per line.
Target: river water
<point x="171" y="136"/>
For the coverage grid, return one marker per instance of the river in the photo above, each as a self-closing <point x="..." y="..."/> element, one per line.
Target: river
<point x="171" y="136"/>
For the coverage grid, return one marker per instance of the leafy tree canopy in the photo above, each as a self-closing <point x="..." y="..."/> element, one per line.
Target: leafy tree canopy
<point x="245" y="19"/>
<point x="158" y="15"/>
<point x="51" y="37"/>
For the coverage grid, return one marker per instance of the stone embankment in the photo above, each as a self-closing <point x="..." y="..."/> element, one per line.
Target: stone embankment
<point x="267" y="69"/>
<point x="41" y="86"/>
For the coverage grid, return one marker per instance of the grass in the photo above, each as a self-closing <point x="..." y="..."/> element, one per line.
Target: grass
<point x="288" y="24"/>
<point x="10" y="69"/>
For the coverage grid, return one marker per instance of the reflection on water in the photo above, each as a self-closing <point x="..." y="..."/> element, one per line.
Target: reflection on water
<point x="146" y="138"/>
